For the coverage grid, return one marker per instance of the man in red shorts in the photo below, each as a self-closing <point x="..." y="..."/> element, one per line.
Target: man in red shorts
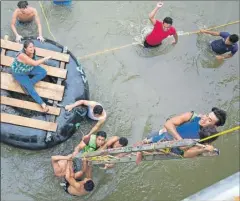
<point x="161" y="30"/>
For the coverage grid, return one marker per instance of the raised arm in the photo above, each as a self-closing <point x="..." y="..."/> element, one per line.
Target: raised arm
<point x="110" y="142"/>
<point x="97" y="126"/>
<point x="77" y="103"/>
<point x="37" y="20"/>
<point x="153" y="13"/>
<point x="213" y="33"/>
<point x="80" y="146"/>
<point x="196" y="150"/>
<point x="70" y="176"/>
<point x="172" y="123"/>
<point x="27" y="60"/>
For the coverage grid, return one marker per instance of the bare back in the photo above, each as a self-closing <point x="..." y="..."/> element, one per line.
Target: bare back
<point x="78" y="190"/>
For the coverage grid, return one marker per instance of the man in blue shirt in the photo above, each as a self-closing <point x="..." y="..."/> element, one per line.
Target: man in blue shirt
<point x="228" y="43"/>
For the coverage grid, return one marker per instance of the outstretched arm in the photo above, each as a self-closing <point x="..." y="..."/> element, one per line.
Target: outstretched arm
<point x="37" y="20"/>
<point x="70" y="176"/>
<point x="77" y="103"/>
<point x="109" y="142"/>
<point x="79" y="147"/>
<point x="197" y="150"/>
<point x="153" y="13"/>
<point x="97" y="126"/>
<point x="172" y="123"/>
<point x="213" y="33"/>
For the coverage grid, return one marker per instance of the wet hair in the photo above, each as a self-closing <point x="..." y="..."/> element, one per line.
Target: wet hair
<point x="98" y="109"/>
<point x="233" y="38"/>
<point x="168" y="20"/>
<point x="123" y="141"/>
<point x="102" y="134"/>
<point x="221" y="116"/>
<point x="89" y="185"/>
<point x="206" y="132"/>
<point x="22" y="4"/>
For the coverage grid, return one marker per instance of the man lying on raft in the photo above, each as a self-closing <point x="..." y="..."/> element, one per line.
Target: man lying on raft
<point x="189" y="126"/>
<point x="73" y="170"/>
<point x="95" y="112"/>
<point x="227" y="43"/>
<point x="24" y="14"/>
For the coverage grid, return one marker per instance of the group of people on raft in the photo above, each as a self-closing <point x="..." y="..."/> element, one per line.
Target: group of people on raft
<point x="189" y="125"/>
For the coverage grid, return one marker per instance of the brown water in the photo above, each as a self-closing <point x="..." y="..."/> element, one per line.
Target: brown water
<point x="139" y="90"/>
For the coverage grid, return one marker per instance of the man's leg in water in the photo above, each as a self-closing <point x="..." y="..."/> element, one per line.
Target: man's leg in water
<point x="59" y="164"/>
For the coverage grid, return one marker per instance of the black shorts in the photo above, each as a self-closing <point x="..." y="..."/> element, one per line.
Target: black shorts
<point x="147" y="45"/>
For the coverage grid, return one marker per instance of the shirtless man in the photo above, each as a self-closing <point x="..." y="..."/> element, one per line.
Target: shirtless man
<point x="95" y="112"/>
<point x="24" y="14"/>
<point x="74" y="171"/>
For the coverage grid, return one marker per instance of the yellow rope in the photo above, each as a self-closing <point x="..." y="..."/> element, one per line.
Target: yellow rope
<point x="48" y="26"/>
<point x="221" y="133"/>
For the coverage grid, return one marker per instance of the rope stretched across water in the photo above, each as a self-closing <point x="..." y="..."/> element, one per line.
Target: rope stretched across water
<point x="131" y="44"/>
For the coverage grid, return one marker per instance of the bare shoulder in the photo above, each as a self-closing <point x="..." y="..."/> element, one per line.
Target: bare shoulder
<point x="34" y="10"/>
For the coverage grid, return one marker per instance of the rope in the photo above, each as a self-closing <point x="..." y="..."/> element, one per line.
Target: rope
<point x="48" y="26"/>
<point x="221" y="133"/>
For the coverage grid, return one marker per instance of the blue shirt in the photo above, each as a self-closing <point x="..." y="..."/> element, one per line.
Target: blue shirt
<point x="220" y="47"/>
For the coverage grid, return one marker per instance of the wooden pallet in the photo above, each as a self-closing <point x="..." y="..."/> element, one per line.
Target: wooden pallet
<point x="47" y="90"/>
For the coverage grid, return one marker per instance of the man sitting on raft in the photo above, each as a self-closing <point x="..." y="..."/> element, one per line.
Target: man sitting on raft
<point x="189" y="126"/>
<point x="74" y="170"/>
<point x="25" y="65"/>
<point x="95" y="112"/>
<point x="228" y="43"/>
<point x="24" y="14"/>
<point x="161" y="30"/>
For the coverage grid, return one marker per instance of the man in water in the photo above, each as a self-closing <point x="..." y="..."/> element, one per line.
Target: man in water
<point x="91" y="143"/>
<point x="189" y="126"/>
<point x="95" y="112"/>
<point x="161" y="30"/>
<point x="73" y="170"/>
<point x="25" y="14"/>
<point x="228" y="43"/>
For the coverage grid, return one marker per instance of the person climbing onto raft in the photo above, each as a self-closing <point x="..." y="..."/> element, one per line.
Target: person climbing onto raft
<point x="25" y="14"/>
<point x="189" y="125"/>
<point x="74" y="171"/>
<point x="95" y="112"/>
<point x="228" y="43"/>
<point x="25" y="65"/>
<point x="161" y="30"/>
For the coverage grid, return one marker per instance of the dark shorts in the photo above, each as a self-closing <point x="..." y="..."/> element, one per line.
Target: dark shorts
<point x="20" y="23"/>
<point x="147" y="45"/>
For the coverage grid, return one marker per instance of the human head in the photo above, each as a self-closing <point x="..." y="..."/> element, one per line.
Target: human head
<point x="28" y="47"/>
<point x="232" y="39"/>
<point x="97" y="110"/>
<point x="167" y="23"/>
<point x="122" y="142"/>
<point x="100" y="138"/>
<point x="89" y="185"/>
<point x="215" y="118"/>
<point x="207" y="132"/>
<point x="22" y="5"/>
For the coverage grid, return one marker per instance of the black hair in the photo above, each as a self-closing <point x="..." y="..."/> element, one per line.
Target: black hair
<point x="22" y="4"/>
<point x="221" y="116"/>
<point x="123" y="141"/>
<point x="26" y="44"/>
<point x="233" y="38"/>
<point x="206" y="132"/>
<point x="102" y="134"/>
<point x="98" y="109"/>
<point x="89" y="185"/>
<point x="168" y="20"/>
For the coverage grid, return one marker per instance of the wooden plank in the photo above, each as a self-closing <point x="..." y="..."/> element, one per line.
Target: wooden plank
<point x="44" y="89"/>
<point x="27" y="105"/>
<point x="52" y="71"/>
<point x="28" y="122"/>
<point x="39" y="51"/>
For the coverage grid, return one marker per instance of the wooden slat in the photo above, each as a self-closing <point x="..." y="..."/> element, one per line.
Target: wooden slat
<point x="39" y="51"/>
<point x="52" y="71"/>
<point x="44" y="89"/>
<point x="27" y="122"/>
<point x="27" y="105"/>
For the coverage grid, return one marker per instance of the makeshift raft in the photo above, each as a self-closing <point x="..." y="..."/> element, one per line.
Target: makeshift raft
<point x="23" y="124"/>
<point x="159" y="151"/>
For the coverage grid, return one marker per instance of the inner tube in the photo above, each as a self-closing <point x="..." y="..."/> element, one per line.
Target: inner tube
<point x="76" y="88"/>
